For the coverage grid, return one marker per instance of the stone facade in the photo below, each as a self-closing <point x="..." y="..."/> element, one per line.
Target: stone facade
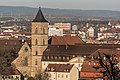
<point x="24" y="59"/>
<point x="29" y="60"/>
<point x="39" y="43"/>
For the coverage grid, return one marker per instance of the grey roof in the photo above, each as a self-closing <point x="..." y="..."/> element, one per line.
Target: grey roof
<point x="39" y="17"/>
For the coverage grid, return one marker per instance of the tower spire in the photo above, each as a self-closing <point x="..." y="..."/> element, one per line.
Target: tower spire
<point x="39" y="17"/>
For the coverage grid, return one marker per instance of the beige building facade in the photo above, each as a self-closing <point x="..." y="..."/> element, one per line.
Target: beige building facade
<point x="62" y="72"/>
<point x="29" y="59"/>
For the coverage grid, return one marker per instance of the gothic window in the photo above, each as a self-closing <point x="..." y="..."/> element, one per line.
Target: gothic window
<point x="26" y="61"/>
<point x="36" y="62"/>
<point x="36" y="42"/>
<point x="36" y="53"/>
<point x="26" y="49"/>
<point x="36" y="30"/>
<point x="43" y="30"/>
<point x="43" y="42"/>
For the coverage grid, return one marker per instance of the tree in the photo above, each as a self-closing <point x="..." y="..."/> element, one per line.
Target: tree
<point x="109" y="66"/>
<point x="42" y="76"/>
<point x="5" y="62"/>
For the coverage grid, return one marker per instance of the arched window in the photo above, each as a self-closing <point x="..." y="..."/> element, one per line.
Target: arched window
<point x="36" y="53"/>
<point x="26" y="61"/>
<point x="36" y="62"/>
<point x="43" y="30"/>
<point x="36" y="30"/>
<point x="36" y="42"/>
<point x="43" y="42"/>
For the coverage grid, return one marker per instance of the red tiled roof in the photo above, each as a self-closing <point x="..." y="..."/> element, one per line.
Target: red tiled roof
<point x="90" y="75"/>
<point x="59" y="68"/>
<point x="66" y="40"/>
<point x="88" y="71"/>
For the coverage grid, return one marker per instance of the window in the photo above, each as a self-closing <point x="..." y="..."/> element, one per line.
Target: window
<point x="26" y="61"/>
<point x="36" y="42"/>
<point x="56" y="57"/>
<point x="58" y="75"/>
<point x="62" y="76"/>
<point x="63" y="58"/>
<point x="59" y="57"/>
<point x="43" y="30"/>
<point x="68" y="58"/>
<point x="26" y="49"/>
<point x="48" y="57"/>
<point x="43" y="42"/>
<point x="36" y="30"/>
<point x="51" y="57"/>
<point x="79" y="65"/>
<point x="66" y="76"/>
<point x="36" y="53"/>
<point x="36" y="62"/>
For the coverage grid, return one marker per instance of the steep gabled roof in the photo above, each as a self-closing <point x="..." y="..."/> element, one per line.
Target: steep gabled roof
<point x="39" y="17"/>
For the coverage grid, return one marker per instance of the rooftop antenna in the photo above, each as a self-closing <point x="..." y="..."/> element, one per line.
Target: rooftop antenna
<point x="1" y="14"/>
<point x="11" y="14"/>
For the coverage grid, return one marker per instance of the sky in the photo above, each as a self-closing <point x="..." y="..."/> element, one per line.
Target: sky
<point x="66" y="4"/>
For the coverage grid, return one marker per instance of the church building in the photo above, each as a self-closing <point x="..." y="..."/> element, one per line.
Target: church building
<point x="36" y="57"/>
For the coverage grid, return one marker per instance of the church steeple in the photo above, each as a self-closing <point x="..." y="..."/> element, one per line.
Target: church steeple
<point x="39" y="17"/>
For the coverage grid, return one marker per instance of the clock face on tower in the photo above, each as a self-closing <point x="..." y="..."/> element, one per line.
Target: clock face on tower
<point x="26" y="49"/>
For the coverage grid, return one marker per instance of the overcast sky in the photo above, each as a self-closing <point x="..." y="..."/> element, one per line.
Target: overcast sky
<point x="66" y="4"/>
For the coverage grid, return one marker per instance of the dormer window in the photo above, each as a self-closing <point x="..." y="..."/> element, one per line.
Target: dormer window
<point x="92" y="57"/>
<point x="51" y="57"/>
<point x="48" y="57"/>
<point x="104" y="58"/>
<point x="94" y="63"/>
<point x="56" y="57"/>
<point x="89" y="63"/>
<point x="59" y="57"/>
<point x="68" y="58"/>
<point x="73" y="56"/>
<point x="44" y="57"/>
<point x="63" y="58"/>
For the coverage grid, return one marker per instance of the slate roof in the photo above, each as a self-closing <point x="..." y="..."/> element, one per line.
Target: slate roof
<point x="39" y="17"/>
<point x="54" y="52"/>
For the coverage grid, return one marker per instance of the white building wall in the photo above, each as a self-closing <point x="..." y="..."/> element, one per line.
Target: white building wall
<point x="74" y="73"/>
<point x="63" y="76"/>
<point x="91" y="32"/>
<point x="46" y="63"/>
<point x="54" y="31"/>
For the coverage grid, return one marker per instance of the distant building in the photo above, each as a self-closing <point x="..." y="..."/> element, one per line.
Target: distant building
<point x="65" y="26"/>
<point x="91" y="32"/>
<point x="74" y="27"/>
<point x="40" y="56"/>
<point x="88" y="72"/>
<point x="55" y="32"/>
<point x="14" y="75"/>
<point x="62" y="72"/>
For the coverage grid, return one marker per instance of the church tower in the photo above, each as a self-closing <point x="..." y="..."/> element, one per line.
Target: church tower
<point x="39" y="40"/>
